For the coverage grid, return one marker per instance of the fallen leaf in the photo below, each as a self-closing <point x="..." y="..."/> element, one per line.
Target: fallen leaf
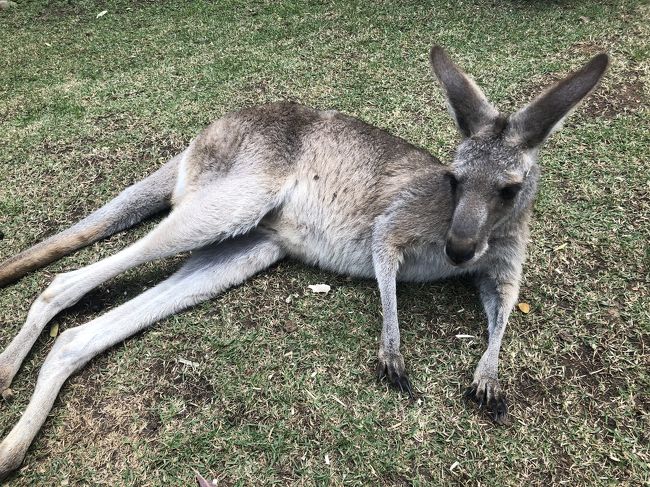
<point x="327" y="459"/>
<point x="339" y="401"/>
<point x="288" y="300"/>
<point x="187" y="362"/>
<point x="524" y="308"/>
<point x="7" y="394"/>
<point x="54" y="331"/>
<point x="319" y="288"/>
<point x="102" y="13"/>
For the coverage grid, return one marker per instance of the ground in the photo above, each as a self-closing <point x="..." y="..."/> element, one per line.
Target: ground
<point x="283" y="392"/>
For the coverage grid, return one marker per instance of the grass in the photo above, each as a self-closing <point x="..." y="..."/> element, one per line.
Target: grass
<point x="284" y="392"/>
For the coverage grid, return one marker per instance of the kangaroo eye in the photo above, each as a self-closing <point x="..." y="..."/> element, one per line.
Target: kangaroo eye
<point x="509" y="192"/>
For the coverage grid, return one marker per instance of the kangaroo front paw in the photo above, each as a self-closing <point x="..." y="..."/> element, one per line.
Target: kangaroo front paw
<point x="391" y="365"/>
<point x="487" y="393"/>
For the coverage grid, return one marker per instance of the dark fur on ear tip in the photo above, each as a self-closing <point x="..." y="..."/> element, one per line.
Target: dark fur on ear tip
<point x="438" y="58"/>
<point x="436" y="51"/>
<point x="600" y="61"/>
<point x="594" y="69"/>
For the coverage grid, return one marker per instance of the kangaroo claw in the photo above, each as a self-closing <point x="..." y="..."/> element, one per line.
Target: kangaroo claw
<point x="487" y="394"/>
<point x="392" y="367"/>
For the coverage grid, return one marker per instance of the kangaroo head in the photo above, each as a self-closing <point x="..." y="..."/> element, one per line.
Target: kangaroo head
<point x="494" y="173"/>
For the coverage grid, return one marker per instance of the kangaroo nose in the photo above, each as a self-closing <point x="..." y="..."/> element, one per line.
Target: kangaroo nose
<point x="459" y="252"/>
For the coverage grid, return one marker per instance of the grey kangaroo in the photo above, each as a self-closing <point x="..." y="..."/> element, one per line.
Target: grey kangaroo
<point x="283" y="180"/>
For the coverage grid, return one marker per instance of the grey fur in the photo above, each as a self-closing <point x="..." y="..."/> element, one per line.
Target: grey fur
<point x="324" y="188"/>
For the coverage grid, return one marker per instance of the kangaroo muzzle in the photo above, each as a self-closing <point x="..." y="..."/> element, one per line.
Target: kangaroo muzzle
<point x="467" y="229"/>
<point x="460" y="251"/>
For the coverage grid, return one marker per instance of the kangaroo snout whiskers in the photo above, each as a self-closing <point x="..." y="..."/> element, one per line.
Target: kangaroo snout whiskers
<point x="284" y="180"/>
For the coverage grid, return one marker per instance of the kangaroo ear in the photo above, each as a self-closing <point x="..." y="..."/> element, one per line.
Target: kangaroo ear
<point x="530" y="126"/>
<point x="467" y="104"/>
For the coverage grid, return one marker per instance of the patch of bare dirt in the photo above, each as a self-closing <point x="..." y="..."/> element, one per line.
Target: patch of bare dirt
<point x="179" y="380"/>
<point x="585" y="366"/>
<point x="58" y="10"/>
<point x="621" y="92"/>
<point x="529" y="391"/>
<point x="627" y="96"/>
<point x="163" y="379"/>
<point x="396" y="479"/>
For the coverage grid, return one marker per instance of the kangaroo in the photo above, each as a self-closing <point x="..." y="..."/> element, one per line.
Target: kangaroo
<point x="283" y="180"/>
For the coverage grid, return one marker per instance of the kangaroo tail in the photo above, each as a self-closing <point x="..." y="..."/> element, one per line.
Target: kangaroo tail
<point x="131" y="206"/>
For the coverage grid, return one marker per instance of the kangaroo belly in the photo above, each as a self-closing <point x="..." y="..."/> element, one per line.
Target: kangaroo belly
<point x="321" y="224"/>
<point x="327" y="243"/>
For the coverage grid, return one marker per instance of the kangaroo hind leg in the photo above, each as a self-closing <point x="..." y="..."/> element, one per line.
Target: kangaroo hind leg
<point x="215" y="213"/>
<point x="207" y="273"/>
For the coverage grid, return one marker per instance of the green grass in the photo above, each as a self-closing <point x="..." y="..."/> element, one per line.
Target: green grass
<point x="89" y="105"/>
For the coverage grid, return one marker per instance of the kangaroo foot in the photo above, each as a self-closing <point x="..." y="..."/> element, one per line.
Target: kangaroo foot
<point x="487" y="393"/>
<point x="391" y="366"/>
<point x="6" y="376"/>
<point x="10" y="459"/>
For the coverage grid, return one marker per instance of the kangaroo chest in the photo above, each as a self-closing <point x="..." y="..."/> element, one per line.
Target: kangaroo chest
<point x="346" y="248"/>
